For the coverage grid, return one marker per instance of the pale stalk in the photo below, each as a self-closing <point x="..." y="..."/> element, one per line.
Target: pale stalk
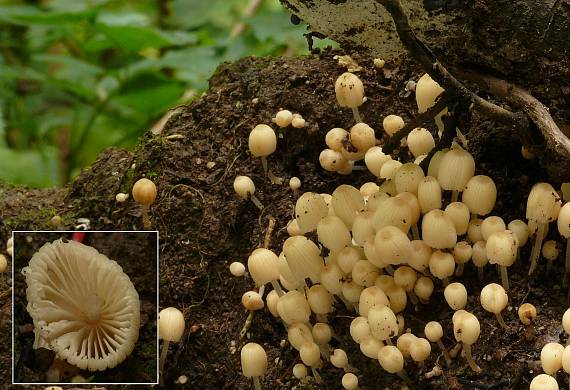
<point x="445" y="353"/>
<point x="277" y="288"/>
<point x="501" y="321"/>
<point x="356" y="115"/>
<point x="256" y="383"/>
<point x="454" y="196"/>
<point x="505" y="277"/>
<point x="459" y="269"/>
<point x="567" y="273"/>
<point x="536" y="247"/>
<point x="163" y="354"/>
<point x="145" y="217"/>
<point x="469" y="357"/>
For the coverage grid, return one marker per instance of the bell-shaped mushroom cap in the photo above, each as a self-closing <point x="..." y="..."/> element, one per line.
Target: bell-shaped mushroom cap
<point x="420" y="141"/>
<point x="466" y="327"/>
<point x="502" y="248"/>
<point x="456" y="168"/>
<point x="303" y="258"/>
<point x="262" y="141"/>
<point x="480" y="194"/>
<point x="347" y="202"/>
<point x="253" y="360"/>
<point x="543" y="204"/>
<point x="171" y="324"/>
<point x="543" y="382"/>
<point x="349" y="90"/>
<point x="83" y="305"/>
<point x="391" y="359"/>
<point x="263" y="266"/>
<point x="438" y="230"/>
<point x="309" y="210"/>
<point x="494" y="298"/>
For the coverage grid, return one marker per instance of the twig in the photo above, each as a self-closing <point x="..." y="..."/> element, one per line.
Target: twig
<point x="449" y="126"/>
<point x="419" y="120"/>
<point x="439" y="73"/>
<point x="531" y="106"/>
<point x="269" y="232"/>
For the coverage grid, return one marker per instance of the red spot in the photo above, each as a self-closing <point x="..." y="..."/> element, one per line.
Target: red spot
<point x="78" y="236"/>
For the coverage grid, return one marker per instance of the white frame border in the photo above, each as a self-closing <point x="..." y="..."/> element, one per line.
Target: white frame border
<point x="157" y="304"/>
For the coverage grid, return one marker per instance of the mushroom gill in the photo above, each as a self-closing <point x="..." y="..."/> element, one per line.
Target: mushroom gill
<point x="83" y="305"/>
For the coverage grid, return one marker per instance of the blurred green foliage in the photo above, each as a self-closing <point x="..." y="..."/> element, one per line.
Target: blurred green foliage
<point x="77" y="76"/>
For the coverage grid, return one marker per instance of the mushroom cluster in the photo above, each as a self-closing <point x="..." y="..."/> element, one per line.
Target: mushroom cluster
<point x="384" y="246"/>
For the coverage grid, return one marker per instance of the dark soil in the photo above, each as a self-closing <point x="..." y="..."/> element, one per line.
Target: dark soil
<point x="204" y="226"/>
<point x="136" y="254"/>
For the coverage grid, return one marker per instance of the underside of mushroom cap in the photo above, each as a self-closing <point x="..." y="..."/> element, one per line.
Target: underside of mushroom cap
<point x="83" y="305"/>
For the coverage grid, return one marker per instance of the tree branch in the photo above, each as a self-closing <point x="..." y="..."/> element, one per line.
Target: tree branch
<point x="424" y="117"/>
<point x="439" y="73"/>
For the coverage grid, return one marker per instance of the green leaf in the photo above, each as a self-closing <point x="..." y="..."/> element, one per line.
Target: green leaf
<point x="29" y="15"/>
<point x="31" y="167"/>
<point x="136" y="38"/>
<point x="149" y="94"/>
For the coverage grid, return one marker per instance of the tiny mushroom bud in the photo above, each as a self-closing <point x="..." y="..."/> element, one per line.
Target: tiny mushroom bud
<point x="492" y="225"/>
<point x="237" y="269"/>
<point x="298" y="334"/>
<point x="294" y="184"/>
<point x="543" y="206"/>
<point x="320" y="301"/>
<point x="479" y="257"/>
<point x="262" y="142"/>
<point x="252" y="301"/>
<point x="311" y="356"/>
<point x="550" y="252"/>
<point x="543" y="382"/>
<point x="419" y="258"/>
<point x="520" y="229"/>
<point x="170" y="328"/>
<point x="350" y="93"/>
<point x="298" y="121"/>
<point x="456" y="295"/>
<point x="392" y="124"/>
<point x="121" y="197"/>
<point x="299" y="371"/>
<point x="244" y="188"/>
<point x="332" y="160"/>
<point x="349" y="381"/>
<point x="283" y="118"/>
<point x="527" y="313"/>
<point x="359" y="329"/>
<point x="459" y="214"/>
<point x="551" y="358"/>
<point x="253" y="363"/>
<point x="144" y="193"/>
<point x="434" y="333"/>
<point x="494" y="299"/>
<point x="403" y="343"/>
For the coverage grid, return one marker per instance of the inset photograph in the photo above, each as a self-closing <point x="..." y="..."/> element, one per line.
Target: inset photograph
<point x="85" y="307"/>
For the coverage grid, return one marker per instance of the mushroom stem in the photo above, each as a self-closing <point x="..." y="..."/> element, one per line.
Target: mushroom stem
<point x="481" y="273"/>
<point x="246" y="325"/>
<point x="316" y="375"/>
<point x="469" y="357"/>
<point x="256" y="383"/>
<point x="403" y="376"/>
<point x="445" y="353"/>
<point x="264" y="165"/>
<point x="459" y="269"/>
<point x="454" y="196"/>
<point x="567" y="270"/>
<point x="145" y="217"/>
<point x="504" y="277"/>
<point x="501" y="321"/>
<point x="356" y="114"/>
<point x="277" y="288"/>
<point x="163" y="354"/>
<point x="536" y="247"/>
<point x="445" y="282"/>
<point x="256" y="201"/>
<point x="274" y="179"/>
